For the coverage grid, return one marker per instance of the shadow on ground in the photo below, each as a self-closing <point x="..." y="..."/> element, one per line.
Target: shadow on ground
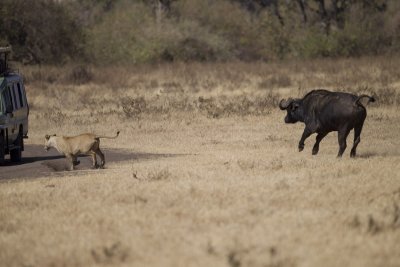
<point x="36" y="162"/>
<point x="374" y="154"/>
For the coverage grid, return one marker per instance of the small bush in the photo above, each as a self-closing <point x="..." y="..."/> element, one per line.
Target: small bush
<point x="276" y="81"/>
<point x="80" y="75"/>
<point x="163" y="174"/>
<point x="133" y="107"/>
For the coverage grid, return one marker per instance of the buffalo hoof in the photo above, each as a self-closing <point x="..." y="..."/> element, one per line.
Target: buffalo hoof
<point x="301" y="148"/>
<point x="76" y="163"/>
<point x="314" y="152"/>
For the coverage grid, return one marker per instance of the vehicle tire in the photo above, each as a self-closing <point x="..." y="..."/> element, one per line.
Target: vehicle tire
<point x="16" y="154"/>
<point x="2" y="154"/>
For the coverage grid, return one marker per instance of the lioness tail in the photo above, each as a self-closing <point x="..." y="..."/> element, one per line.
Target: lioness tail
<point x="109" y="137"/>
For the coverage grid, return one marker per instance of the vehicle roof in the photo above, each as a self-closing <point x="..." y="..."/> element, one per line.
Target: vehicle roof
<point x="5" y="49"/>
<point x="9" y="77"/>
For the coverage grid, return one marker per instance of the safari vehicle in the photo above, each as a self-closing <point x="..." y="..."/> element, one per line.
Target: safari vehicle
<point x="14" y="111"/>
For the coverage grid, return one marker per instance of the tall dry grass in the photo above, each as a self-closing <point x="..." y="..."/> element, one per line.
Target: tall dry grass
<point x="213" y="89"/>
<point x="225" y="185"/>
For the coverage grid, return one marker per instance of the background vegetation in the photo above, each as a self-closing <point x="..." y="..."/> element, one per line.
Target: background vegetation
<point x="146" y="31"/>
<point x="204" y="172"/>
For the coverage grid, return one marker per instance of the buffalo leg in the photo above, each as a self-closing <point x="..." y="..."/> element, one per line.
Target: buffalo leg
<point x="320" y="136"/>
<point x="342" y="136"/>
<point x="305" y="135"/>
<point x="357" y="139"/>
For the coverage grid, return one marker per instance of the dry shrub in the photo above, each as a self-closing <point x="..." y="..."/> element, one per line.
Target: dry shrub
<point x="68" y="74"/>
<point x="160" y="175"/>
<point x="212" y="107"/>
<point x="238" y="105"/>
<point x="387" y="220"/>
<point x="41" y="74"/>
<point x="80" y="75"/>
<point x="276" y="81"/>
<point x="388" y="96"/>
<point x="113" y="254"/>
<point x="133" y="107"/>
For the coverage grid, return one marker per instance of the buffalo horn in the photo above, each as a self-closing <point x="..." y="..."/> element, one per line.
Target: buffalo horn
<point x="284" y="104"/>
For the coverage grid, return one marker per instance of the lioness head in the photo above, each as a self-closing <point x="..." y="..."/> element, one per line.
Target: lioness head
<point x="48" y="142"/>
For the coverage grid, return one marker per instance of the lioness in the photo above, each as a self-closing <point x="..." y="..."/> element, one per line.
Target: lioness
<point x="72" y="146"/>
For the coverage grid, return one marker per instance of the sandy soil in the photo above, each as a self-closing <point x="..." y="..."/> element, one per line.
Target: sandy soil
<point x="206" y="173"/>
<point x="224" y="192"/>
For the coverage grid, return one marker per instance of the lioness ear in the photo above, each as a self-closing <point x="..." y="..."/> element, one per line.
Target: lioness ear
<point x="54" y="134"/>
<point x="47" y="137"/>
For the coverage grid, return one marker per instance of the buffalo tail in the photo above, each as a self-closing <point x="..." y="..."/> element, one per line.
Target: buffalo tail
<point x="370" y="99"/>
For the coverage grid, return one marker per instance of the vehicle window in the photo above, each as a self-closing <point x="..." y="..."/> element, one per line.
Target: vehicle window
<point x="14" y="97"/>
<point x="10" y="101"/>
<point x="2" y="106"/>
<point x="21" y="101"/>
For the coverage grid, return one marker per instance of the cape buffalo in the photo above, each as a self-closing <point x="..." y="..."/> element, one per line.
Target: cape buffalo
<point x="323" y="111"/>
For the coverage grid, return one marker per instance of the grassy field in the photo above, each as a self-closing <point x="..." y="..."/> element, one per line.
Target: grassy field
<point x="216" y="179"/>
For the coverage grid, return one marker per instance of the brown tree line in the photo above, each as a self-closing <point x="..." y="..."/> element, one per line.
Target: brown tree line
<point x="328" y="11"/>
<point x="135" y="31"/>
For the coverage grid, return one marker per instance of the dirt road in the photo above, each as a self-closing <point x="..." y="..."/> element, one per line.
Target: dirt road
<point x="36" y="162"/>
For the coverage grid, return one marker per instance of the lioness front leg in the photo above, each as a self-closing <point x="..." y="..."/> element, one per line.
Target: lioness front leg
<point x="75" y="161"/>
<point x="70" y="160"/>
<point x="94" y="160"/>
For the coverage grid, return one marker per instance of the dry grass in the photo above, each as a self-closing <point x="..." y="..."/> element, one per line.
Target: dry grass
<point x="233" y="190"/>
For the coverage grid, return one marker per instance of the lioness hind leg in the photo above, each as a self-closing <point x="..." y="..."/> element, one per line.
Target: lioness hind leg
<point x="101" y="155"/>
<point x="94" y="159"/>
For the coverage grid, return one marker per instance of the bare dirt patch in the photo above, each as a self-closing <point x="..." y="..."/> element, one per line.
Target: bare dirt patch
<point x="37" y="162"/>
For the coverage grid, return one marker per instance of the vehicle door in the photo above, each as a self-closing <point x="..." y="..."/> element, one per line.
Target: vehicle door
<point x="23" y="109"/>
<point x="18" y="104"/>
<point x="10" y="120"/>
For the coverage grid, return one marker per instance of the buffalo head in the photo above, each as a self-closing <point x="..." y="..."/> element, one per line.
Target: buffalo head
<point x="293" y="108"/>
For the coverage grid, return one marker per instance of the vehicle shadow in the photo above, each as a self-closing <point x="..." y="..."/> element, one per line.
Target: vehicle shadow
<point x="36" y="162"/>
<point x="375" y="154"/>
<point x="27" y="160"/>
<point x="111" y="156"/>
